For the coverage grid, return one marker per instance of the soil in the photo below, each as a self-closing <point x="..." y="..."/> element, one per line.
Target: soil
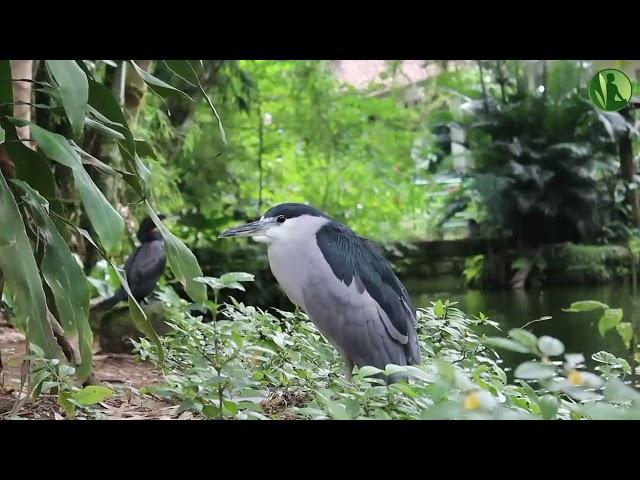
<point x="123" y="373"/>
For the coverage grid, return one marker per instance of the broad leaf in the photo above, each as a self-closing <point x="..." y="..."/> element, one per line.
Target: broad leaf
<point x="505" y="343"/>
<point x="19" y="268"/>
<point x="158" y="86"/>
<point x="534" y="371"/>
<point x="106" y="221"/>
<point x="92" y="394"/>
<point x="609" y="319"/>
<point x="625" y="330"/>
<point x="74" y="91"/>
<point x="586" y="306"/>
<point x="66" y="279"/>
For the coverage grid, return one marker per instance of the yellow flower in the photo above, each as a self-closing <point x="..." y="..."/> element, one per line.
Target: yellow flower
<point x="472" y="401"/>
<point x="575" y="378"/>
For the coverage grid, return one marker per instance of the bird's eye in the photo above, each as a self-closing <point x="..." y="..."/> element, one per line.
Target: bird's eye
<point x="280" y="218"/>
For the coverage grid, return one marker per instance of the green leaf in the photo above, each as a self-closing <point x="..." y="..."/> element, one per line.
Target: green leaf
<point x="610" y="318"/>
<point x="106" y="221"/>
<point x="103" y="129"/>
<point x="19" y="268"/>
<point x="231" y="407"/>
<point x="144" y="149"/>
<point x="438" y="309"/>
<point x="92" y="394"/>
<point x="586" y="306"/>
<point x="232" y="277"/>
<point x="66" y="279"/>
<point x="105" y="108"/>
<point x="625" y="330"/>
<point x="368" y="371"/>
<point x="525" y="338"/>
<point x="184" y="70"/>
<point x="548" y="407"/>
<point x="74" y="91"/>
<point x="158" y="86"/>
<point x="183" y="262"/>
<point x="64" y="400"/>
<point x="534" y="371"/>
<point x="550" y="347"/>
<point x="605" y="357"/>
<point x="1" y="135"/>
<point x="617" y="391"/>
<point x="504" y="343"/>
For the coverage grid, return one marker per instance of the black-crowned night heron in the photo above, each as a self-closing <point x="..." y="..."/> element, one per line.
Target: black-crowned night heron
<point x="347" y="288"/>
<point x="143" y="268"/>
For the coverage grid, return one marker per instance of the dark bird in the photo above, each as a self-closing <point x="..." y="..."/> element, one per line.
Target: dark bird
<point x="143" y="268"/>
<point x="344" y="284"/>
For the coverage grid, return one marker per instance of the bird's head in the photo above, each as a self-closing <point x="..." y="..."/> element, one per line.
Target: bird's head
<point x="282" y="222"/>
<point x="148" y="231"/>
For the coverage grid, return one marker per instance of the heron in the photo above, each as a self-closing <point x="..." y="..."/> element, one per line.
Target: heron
<point x="143" y="268"/>
<point x="341" y="280"/>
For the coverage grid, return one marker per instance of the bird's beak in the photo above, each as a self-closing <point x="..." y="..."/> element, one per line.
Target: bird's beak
<point x="250" y="229"/>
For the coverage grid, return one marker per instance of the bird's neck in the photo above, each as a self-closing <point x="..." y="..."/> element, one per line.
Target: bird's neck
<point x="151" y="237"/>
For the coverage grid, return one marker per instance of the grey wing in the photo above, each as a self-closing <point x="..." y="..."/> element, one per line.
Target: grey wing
<point x="353" y="321"/>
<point x="145" y="267"/>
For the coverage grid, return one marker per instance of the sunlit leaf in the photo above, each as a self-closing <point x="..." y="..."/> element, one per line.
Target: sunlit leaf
<point x="610" y="319"/>
<point x="92" y="394"/>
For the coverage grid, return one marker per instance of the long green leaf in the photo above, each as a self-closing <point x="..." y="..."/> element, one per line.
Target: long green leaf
<point x="183" y="262"/>
<point x="155" y="84"/>
<point x="105" y="108"/>
<point x="74" y="91"/>
<point x="18" y="265"/>
<point x="183" y="69"/>
<point x="105" y="219"/>
<point x="66" y="279"/>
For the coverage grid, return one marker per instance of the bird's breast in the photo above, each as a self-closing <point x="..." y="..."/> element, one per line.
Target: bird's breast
<point x="290" y="264"/>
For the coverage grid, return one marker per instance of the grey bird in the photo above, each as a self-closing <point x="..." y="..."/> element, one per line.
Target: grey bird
<point x="344" y="284"/>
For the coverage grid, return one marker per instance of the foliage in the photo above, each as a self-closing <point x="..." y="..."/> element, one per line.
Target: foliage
<point x="296" y="134"/>
<point x="235" y="366"/>
<point x="35" y="246"/>
<point x="611" y="319"/>
<point x="545" y="165"/>
<point x="575" y="263"/>
<point x="53" y="376"/>
<point x="473" y="268"/>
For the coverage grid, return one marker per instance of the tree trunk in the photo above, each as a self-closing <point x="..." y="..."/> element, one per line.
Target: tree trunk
<point x="20" y="69"/>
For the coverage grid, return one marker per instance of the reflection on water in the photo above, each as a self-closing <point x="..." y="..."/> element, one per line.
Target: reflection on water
<point x="512" y="309"/>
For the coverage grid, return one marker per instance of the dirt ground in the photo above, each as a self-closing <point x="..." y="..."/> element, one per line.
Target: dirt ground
<point x="121" y="372"/>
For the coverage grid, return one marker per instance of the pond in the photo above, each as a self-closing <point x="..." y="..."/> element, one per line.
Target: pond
<point x="513" y="309"/>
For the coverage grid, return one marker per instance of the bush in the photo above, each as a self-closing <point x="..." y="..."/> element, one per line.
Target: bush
<point x="249" y="363"/>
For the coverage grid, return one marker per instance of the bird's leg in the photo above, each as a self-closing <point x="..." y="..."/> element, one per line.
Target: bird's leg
<point x="348" y="369"/>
